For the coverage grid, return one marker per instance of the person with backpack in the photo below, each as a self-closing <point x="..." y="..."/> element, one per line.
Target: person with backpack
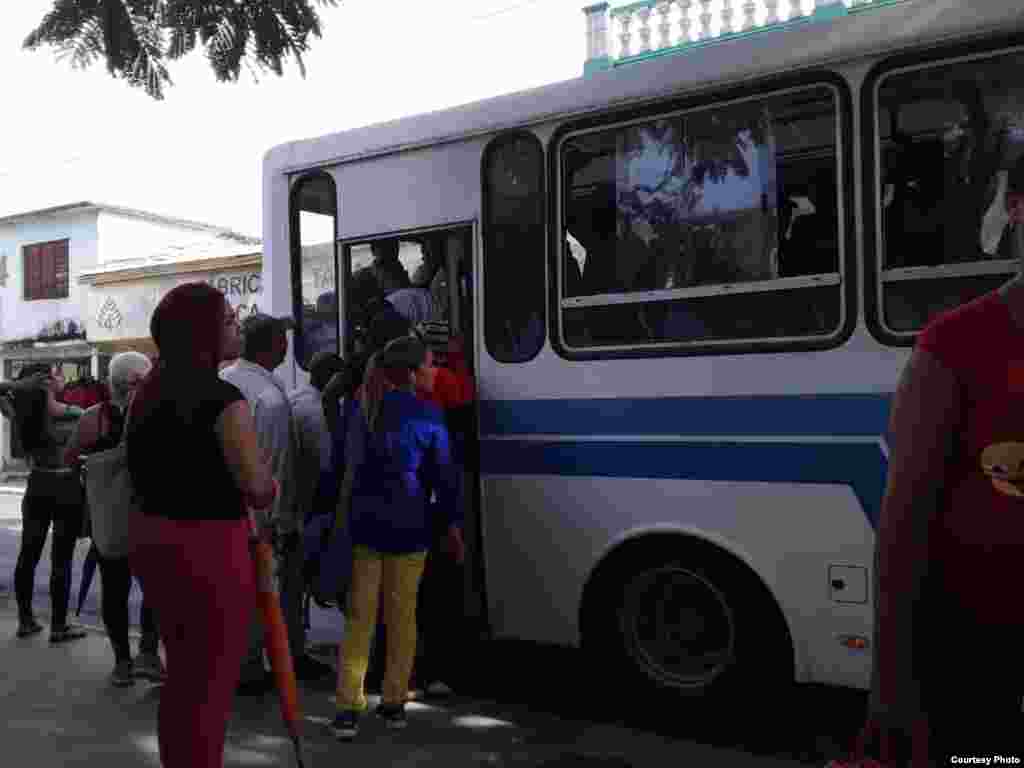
<point x="100" y="429"/>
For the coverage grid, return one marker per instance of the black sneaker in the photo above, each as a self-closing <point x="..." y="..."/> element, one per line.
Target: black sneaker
<point x="123" y="675"/>
<point x="66" y="634"/>
<point x="29" y="627"/>
<point x="345" y="725"/>
<point x="393" y="715"/>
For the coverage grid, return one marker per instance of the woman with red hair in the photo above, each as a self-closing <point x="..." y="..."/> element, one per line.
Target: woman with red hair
<point x="190" y="545"/>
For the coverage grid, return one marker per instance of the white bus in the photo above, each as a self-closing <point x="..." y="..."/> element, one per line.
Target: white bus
<point x="687" y="286"/>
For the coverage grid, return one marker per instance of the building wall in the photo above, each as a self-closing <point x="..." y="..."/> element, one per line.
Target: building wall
<point x="119" y="311"/>
<point x="21" y="319"/>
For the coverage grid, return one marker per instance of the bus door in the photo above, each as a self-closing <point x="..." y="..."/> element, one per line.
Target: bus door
<point x="458" y="252"/>
<point x="441" y="261"/>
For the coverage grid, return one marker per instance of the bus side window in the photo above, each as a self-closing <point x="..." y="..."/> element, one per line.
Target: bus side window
<point x="514" y="247"/>
<point x="946" y="132"/>
<point x="314" y="208"/>
<point x="680" y="216"/>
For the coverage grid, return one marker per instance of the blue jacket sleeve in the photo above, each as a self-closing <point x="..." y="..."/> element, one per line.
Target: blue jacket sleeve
<point x="445" y="476"/>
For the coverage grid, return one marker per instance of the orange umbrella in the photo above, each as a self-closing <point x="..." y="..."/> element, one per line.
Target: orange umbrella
<point x="277" y="643"/>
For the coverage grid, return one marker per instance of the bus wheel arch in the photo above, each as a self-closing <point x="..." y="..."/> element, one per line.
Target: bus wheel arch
<point x="736" y="630"/>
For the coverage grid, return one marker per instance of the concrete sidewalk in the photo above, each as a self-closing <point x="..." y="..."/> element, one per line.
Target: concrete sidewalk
<point x="58" y="710"/>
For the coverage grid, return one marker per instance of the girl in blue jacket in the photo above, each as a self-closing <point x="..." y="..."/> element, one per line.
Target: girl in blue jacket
<point x="396" y="453"/>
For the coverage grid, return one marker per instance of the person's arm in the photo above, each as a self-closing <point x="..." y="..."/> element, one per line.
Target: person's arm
<point x="245" y="459"/>
<point x="355" y="447"/>
<point x="31" y="382"/>
<point x="59" y="410"/>
<point x="331" y="400"/>
<point x="7" y="407"/>
<point x="922" y="432"/>
<point x="84" y="436"/>
<point x="451" y="389"/>
<point x="445" y="481"/>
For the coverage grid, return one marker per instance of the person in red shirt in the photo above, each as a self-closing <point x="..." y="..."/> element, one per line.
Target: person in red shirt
<point x="448" y="383"/>
<point x="948" y="672"/>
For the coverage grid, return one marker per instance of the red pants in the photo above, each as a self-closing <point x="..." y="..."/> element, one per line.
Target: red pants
<point x="199" y="577"/>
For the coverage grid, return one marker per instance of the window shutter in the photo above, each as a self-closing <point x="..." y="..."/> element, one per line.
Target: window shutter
<point x="33" y="272"/>
<point x="48" y="270"/>
<point x="60" y="268"/>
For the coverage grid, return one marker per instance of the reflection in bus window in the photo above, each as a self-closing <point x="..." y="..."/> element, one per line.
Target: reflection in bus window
<point x="710" y="226"/>
<point x="314" y="206"/>
<point x="947" y="133"/>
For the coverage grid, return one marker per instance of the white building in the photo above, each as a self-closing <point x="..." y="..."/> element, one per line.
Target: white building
<point x="78" y="283"/>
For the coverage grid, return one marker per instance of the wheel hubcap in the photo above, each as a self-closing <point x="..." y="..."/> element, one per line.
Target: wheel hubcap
<point x="678" y="627"/>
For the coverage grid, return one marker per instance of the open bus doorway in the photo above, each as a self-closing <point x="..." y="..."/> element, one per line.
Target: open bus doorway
<point x="428" y="276"/>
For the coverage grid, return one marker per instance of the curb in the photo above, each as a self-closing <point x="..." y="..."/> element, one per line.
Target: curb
<point x="11" y="490"/>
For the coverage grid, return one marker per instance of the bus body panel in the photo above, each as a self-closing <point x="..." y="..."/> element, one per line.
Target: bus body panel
<point x="418" y="189"/>
<point x="538" y="561"/>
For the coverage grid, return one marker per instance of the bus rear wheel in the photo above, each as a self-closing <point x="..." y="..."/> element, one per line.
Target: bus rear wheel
<point x="687" y="620"/>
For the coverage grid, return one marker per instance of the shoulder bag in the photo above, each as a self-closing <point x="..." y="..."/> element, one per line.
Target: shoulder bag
<point x="111" y="496"/>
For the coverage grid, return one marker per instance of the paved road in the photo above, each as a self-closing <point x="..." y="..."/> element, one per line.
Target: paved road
<point x="326" y="625"/>
<point x="550" y="698"/>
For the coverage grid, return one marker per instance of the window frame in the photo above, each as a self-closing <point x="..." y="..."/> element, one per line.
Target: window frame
<point x="295" y="257"/>
<point x="494" y="142"/>
<point x="872" y="193"/>
<point x="26" y="253"/>
<point x="674" y="107"/>
<point x="343" y="260"/>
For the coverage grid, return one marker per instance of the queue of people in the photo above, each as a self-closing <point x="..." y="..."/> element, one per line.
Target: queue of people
<point x="253" y="452"/>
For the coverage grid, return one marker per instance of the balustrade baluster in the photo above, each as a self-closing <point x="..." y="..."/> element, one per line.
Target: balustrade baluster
<point x="705" y="19"/>
<point x="645" y="29"/>
<point x="684" y="20"/>
<point x="749" y="10"/>
<point x="664" y="29"/>
<point x="625" y="20"/>
<point x="726" y="17"/>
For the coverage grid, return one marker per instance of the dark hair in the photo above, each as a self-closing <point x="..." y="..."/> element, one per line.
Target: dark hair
<point x="187" y="327"/>
<point x="256" y="342"/>
<point x="323" y="367"/>
<point x="32" y="416"/>
<point x="386" y="326"/>
<point x="389" y="369"/>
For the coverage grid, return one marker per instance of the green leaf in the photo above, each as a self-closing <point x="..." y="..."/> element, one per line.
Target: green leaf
<point x="137" y="38"/>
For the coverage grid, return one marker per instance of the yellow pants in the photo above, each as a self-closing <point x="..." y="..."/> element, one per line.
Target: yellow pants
<point x="396" y="579"/>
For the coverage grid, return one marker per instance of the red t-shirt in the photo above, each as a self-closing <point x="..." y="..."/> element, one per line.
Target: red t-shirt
<point x="978" y="536"/>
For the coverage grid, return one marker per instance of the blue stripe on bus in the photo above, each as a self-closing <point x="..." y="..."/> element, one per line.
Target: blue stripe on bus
<point x="859" y="465"/>
<point x="771" y="415"/>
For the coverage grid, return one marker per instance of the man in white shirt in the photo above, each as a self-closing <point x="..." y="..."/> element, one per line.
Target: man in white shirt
<point x="312" y="456"/>
<point x="264" y="347"/>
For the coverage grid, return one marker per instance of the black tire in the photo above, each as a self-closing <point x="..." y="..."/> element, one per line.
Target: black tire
<point x="679" y="617"/>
